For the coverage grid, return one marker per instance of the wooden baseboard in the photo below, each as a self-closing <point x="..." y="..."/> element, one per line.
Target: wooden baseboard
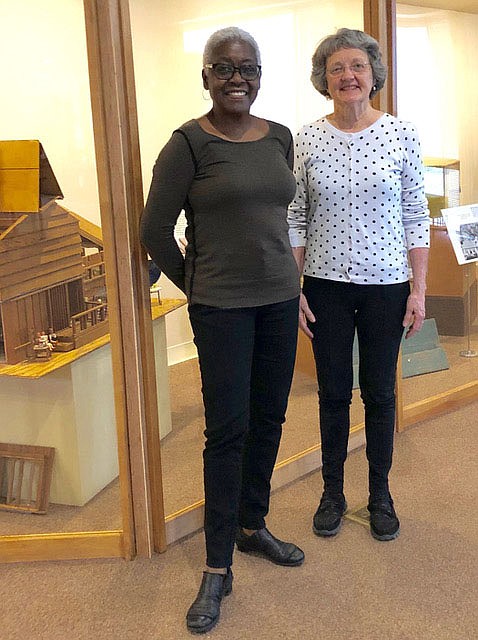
<point x="62" y="546"/>
<point x="190" y="520"/>
<point x="441" y="403"/>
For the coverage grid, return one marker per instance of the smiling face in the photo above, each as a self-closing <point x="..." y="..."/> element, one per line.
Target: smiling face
<point x="349" y="87"/>
<point x="235" y="95"/>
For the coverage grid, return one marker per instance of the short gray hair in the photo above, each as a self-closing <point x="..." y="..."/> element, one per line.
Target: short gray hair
<point x="229" y="34"/>
<point x="347" y="39"/>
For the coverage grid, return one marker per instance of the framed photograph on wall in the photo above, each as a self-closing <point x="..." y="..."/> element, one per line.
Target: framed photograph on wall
<point x="462" y="226"/>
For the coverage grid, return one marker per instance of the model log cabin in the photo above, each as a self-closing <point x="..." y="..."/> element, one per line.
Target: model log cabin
<point x="47" y="282"/>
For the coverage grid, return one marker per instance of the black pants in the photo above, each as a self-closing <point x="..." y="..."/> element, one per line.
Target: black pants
<point x="376" y="313"/>
<point x="246" y="357"/>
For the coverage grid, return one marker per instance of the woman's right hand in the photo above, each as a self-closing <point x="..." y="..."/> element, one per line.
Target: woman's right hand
<point x="305" y="314"/>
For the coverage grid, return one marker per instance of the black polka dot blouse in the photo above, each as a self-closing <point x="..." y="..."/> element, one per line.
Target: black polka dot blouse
<point x="360" y="203"/>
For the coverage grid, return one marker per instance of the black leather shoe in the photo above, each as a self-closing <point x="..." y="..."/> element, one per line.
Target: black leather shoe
<point x="264" y="544"/>
<point x="204" y="612"/>
<point x="384" y="524"/>
<point x="328" y="517"/>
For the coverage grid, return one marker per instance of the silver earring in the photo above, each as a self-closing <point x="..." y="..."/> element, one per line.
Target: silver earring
<point x="205" y="94"/>
<point x="374" y="88"/>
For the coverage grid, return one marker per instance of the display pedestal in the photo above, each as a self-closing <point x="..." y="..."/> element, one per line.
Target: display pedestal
<point x="68" y="403"/>
<point x="421" y="353"/>
<point x="72" y="410"/>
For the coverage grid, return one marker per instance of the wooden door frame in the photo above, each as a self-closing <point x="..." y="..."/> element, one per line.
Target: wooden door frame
<point x="380" y="21"/>
<point x="115" y="125"/>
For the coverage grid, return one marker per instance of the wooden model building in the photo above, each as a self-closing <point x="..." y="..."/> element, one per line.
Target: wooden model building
<point x="47" y="282"/>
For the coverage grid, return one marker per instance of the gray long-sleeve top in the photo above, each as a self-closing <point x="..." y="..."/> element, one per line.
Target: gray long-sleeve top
<point x="235" y="197"/>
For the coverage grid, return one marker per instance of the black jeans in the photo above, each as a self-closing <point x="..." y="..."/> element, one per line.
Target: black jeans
<point x="376" y="313"/>
<point x="246" y="357"/>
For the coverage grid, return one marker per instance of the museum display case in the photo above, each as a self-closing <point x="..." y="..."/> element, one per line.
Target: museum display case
<point x="446" y="39"/>
<point x="183" y="30"/>
<point x="451" y="288"/>
<point x="59" y="447"/>
<point x="104" y="177"/>
<point x="442" y="185"/>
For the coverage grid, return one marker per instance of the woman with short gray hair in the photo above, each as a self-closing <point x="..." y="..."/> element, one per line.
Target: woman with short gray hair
<point x="359" y="212"/>
<point x="347" y="39"/>
<point x="226" y="35"/>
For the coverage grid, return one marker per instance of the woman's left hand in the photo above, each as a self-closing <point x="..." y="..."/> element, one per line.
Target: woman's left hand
<point x="415" y="313"/>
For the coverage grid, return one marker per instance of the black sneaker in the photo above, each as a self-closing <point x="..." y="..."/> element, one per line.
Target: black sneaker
<point x="384" y="524"/>
<point x="328" y="517"/>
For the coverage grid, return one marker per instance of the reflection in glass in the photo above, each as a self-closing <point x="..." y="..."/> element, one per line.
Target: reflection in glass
<point x="56" y="385"/>
<point x="168" y="40"/>
<point x="447" y="41"/>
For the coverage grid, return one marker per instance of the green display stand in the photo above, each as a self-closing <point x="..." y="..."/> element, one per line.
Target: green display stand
<point x="420" y="354"/>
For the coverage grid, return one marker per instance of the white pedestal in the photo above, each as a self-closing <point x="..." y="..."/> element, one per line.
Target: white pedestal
<point x="72" y="410"/>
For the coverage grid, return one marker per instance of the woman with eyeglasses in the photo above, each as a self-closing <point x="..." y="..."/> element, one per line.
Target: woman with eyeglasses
<point x="359" y="215"/>
<point x="232" y="174"/>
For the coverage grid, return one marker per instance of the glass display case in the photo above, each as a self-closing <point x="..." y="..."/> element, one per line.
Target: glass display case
<point x="449" y="285"/>
<point x="442" y="185"/>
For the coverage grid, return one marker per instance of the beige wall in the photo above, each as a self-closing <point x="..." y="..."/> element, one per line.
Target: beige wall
<point x="437" y="89"/>
<point x="168" y="77"/>
<point x="464" y="29"/>
<point x="46" y="89"/>
<point x="45" y="92"/>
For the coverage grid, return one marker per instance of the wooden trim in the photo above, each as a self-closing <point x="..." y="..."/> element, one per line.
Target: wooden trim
<point x="185" y="522"/>
<point x="189" y="520"/>
<point x="12" y="226"/>
<point x="146" y="344"/>
<point x="380" y="23"/>
<point x="63" y="546"/>
<point x="440" y="403"/>
<point x="120" y="186"/>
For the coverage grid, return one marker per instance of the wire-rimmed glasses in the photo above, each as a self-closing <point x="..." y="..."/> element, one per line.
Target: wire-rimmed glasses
<point x="356" y="67"/>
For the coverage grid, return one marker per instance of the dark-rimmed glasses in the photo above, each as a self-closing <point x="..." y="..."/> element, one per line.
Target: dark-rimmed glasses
<point x="225" y="71"/>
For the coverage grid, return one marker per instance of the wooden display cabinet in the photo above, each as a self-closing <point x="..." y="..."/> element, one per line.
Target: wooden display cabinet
<point x="450" y="286"/>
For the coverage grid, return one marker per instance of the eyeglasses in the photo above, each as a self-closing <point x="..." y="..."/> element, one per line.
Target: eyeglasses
<point x="224" y="71"/>
<point x="356" y="67"/>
